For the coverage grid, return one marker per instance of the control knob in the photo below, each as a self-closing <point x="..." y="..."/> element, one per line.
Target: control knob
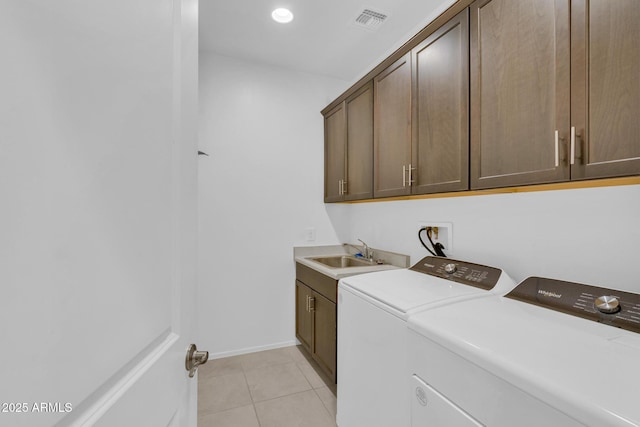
<point x="607" y="304"/>
<point x="450" y="268"/>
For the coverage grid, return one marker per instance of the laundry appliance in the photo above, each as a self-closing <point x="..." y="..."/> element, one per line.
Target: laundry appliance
<point x="549" y="353"/>
<point x="372" y="332"/>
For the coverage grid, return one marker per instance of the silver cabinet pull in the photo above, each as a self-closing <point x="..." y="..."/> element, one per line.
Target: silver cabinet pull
<point x="307" y="303"/>
<point x="573" y="145"/>
<point x="194" y="359"/>
<point x="410" y="175"/>
<point x="339" y="187"/>
<point x="312" y="304"/>
<point x="557" y="148"/>
<point x="404" y="175"/>
<point x="344" y="187"/>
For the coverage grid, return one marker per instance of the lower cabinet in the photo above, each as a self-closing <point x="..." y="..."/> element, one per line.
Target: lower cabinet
<point x="316" y="318"/>
<point x="324" y="333"/>
<point x="304" y="315"/>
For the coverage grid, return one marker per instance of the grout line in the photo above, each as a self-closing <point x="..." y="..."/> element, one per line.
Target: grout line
<point x="270" y="364"/>
<point x="253" y="403"/>
<point x="267" y="366"/>
<point x="331" y="416"/>
<point x="287" y="395"/>
<point x="203" y="412"/>
<point x="297" y="364"/>
<point x="255" y="411"/>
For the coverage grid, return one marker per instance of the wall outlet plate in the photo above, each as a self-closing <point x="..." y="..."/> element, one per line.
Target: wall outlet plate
<point x="444" y="235"/>
<point x="310" y="234"/>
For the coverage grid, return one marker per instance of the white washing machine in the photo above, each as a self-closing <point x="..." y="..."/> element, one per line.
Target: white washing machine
<point x="549" y="353"/>
<point x="372" y="332"/>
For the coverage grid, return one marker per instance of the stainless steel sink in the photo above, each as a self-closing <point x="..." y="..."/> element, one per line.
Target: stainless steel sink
<point x="342" y="261"/>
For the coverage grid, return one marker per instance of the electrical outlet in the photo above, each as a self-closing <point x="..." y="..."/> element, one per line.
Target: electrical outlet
<point x="444" y="235"/>
<point x="310" y="234"/>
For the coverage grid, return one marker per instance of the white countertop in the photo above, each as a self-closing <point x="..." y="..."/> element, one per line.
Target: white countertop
<point x="303" y="255"/>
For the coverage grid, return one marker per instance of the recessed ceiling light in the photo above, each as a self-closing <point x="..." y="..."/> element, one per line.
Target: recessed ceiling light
<point x="282" y="15"/>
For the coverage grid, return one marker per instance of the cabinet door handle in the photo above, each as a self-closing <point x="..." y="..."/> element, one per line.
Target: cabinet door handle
<point x="573" y="145"/>
<point x="312" y="304"/>
<point x="574" y="136"/>
<point x="307" y="303"/>
<point x="410" y="175"/>
<point x="557" y="137"/>
<point x="339" y="187"/>
<point x="344" y="187"/>
<point x="404" y="175"/>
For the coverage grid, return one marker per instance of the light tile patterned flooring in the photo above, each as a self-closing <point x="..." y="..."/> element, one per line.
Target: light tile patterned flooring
<point x="273" y="388"/>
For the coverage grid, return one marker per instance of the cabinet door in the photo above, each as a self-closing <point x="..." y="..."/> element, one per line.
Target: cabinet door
<point x="324" y="337"/>
<point x="441" y="109"/>
<point x="359" y="108"/>
<point x="520" y="95"/>
<point x="303" y="315"/>
<point x="605" y="88"/>
<point x="335" y="134"/>
<point x="392" y="129"/>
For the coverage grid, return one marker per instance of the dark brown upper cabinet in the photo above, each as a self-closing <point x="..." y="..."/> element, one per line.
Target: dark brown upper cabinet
<point x="349" y="148"/>
<point x="554" y="91"/>
<point x="359" y="174"/>
<point x="392" y="170"/>
<point x="605" y="88"/>
<point x="520" y="89"/>
<point x="335" y="142"/>
<point x="495" y="93"/>
<point x="440" y="147"/>
<point x="422" y="116"/>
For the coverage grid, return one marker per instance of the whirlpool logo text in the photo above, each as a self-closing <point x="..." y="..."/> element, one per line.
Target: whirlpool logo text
<point x="549" y="294"/>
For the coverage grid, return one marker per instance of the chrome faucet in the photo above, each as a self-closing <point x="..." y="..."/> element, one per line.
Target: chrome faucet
<point x="366" y="250"/>
<point x="357" y="249"/>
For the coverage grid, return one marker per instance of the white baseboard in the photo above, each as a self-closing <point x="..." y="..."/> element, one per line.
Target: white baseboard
<point x="251" y="349"/>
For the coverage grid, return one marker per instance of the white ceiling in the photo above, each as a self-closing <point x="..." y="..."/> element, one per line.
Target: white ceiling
<point x="322" y="38"/>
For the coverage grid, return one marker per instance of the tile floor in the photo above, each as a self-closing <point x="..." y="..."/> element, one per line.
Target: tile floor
<point x="273" y="388"/>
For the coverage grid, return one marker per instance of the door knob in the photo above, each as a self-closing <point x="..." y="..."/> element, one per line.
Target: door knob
<point x="194" y="359"/>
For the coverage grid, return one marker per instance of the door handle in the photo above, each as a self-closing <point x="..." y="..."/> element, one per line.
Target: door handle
<point x="557" y="146"/>
<point x="575" y="135"/>
<point x="573" y="145"/>
<point x="194" y="359"/>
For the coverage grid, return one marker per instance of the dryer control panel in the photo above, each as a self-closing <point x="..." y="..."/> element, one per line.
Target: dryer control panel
<point x="608" y="306"/>
<point x="467" y="273"/>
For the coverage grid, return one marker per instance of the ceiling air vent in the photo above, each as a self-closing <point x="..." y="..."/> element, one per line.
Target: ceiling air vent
<point x="370" y="19"/>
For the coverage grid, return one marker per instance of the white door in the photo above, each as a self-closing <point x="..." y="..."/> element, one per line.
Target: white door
<point x="98" y="103"/>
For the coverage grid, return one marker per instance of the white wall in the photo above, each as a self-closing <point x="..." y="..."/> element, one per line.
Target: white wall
<point x="260" y="188"/>
<point x="584" y="235"/>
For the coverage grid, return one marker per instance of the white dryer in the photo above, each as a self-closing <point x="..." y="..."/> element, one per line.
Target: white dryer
<point x="372" y="332"/>
<point x="549" y="353"/>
